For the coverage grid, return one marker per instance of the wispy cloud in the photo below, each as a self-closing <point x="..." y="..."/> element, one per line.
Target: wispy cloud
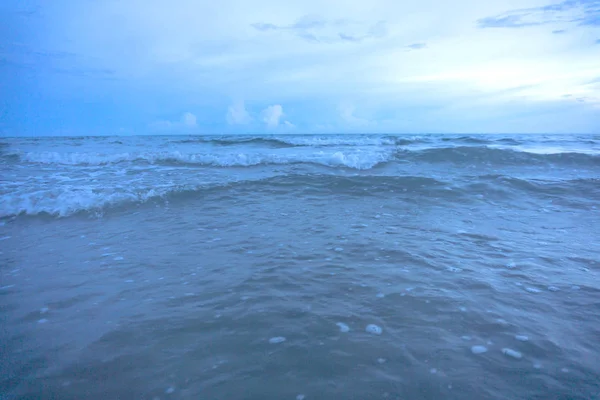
<point x="347" y="113"/>
<point x="582" y="12"/>
<point x="313" y="28"/>
<point x="416" y="46"/>
<point x="50" y="61"/>
<point x="559" y="31"/>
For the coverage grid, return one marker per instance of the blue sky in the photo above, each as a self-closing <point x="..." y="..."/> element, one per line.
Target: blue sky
<point x="77" y="67"/>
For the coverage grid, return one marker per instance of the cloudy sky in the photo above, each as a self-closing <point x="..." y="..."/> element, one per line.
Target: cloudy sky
<point x="233" y="66"/>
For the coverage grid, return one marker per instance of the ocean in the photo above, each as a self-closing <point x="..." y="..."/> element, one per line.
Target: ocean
<point x="300" y="267"/>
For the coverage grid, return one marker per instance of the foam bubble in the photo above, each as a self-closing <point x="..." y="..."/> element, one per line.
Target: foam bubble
<point x="553" y="288"/>
<point x="343" y="327"/>
<point x="374" y="329"/>
<point x="479" y="349"/>
<point x="533" y="290"/>
<point x="522" y="338"/>
<point x="277" y="340"/>
<point x="512" y="353"/>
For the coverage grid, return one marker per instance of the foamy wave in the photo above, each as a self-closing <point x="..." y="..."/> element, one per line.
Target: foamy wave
<point x="64" y="202"/>
<point x="336" y="140"/>
<point x="356" y="159"/>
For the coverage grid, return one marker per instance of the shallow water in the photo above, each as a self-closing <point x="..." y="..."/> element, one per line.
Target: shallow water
<point x="135" y="268"/>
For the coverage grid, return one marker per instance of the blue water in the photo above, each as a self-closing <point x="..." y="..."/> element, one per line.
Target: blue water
<point x="334" y="266"/>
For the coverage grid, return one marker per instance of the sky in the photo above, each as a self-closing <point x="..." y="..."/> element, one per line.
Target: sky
<point x="122" y="67"/>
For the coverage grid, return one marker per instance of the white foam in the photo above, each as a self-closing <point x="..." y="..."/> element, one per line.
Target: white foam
<point x="300" y="397"/>
<point x="522" y="338"/>
<point x="351" y="158"/>
<point x="380" y="295"/>
<point x="346" y="140"/>
<point x="339" y="249"/>
<point x="170" y="390"/>
<point x="466" y="337"/>
<point x="479" y="349"/>
<point x="7" y="287"/>
<point x="553" y="288"/>
<point x="277" y="340"/>
<point x="119" y="258"/>
<point x="374" y="329"/>
<point x="533" y="290"/>
<point x="512" y="353"/>
<point x="381" y="360"/>
<point x="575" y="287"/>
<point x="343" y="327"/>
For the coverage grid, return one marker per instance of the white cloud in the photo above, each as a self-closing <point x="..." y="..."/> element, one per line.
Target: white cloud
<point x="186" y="122"/>
<point x="272" y="115"/>
<point x="189" y="120"/>
<point x="347" y="113"/>
<point x="237" y="114"/>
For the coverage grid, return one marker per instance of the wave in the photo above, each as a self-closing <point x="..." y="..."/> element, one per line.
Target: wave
<point x="303" y="140"/>
<point x="356" y="160"/>
<point x="496" y="156"/>
<point x="67" y="201"/>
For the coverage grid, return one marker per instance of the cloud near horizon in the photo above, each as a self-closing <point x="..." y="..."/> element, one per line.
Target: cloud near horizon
<point x="430" y="66"/>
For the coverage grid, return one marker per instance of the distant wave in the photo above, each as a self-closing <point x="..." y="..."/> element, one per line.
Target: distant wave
<point x="360" y="159"/>
<point x="497" y="156"/>
<point x="302" y="141"/>
<point x="357" y="160"/>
